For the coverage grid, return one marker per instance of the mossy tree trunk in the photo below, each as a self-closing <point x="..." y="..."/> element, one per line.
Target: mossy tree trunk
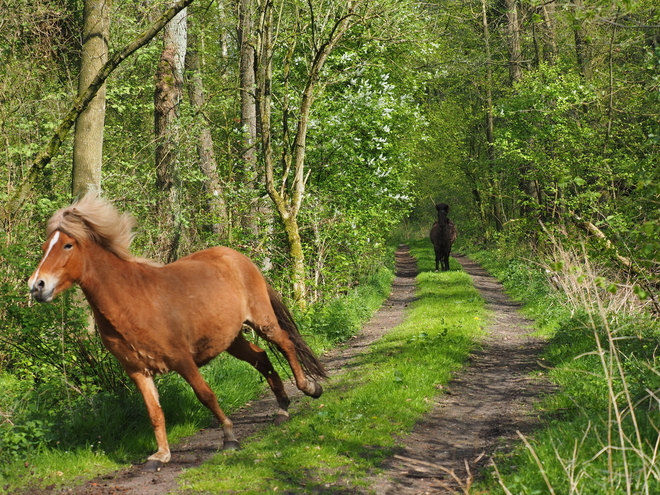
<point x="287" y="189"/>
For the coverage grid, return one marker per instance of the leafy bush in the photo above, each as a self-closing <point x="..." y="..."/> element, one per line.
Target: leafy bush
<point x="343" y="316"/>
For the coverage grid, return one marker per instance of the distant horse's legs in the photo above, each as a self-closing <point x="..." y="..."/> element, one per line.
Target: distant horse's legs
<point x="191" y="374"/>
<point x="147" y="388"/>
<point x="274" y="334"/>
<point x="242" y="349"/>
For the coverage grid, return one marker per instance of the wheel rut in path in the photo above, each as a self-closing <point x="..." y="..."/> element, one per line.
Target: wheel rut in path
<point x="258" y="414"/>
<point x="484" y="406"/>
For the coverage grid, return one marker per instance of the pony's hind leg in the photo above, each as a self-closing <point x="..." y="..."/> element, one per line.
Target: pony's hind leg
<point x="280" y="339"/>
<point x="445" y="260"/>
<point x="246" y="351"/>
<point x="191" y="374"/>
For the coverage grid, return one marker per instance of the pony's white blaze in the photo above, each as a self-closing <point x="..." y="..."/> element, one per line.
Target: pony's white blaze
<point x="35" y="276"/>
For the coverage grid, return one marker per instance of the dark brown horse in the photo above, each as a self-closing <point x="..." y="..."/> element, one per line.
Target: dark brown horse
<point x="177" y="317"/>
<point x="443" y="235"/>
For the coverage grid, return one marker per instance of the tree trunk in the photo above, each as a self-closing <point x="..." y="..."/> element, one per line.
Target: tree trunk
<point x="247" y="78"/>
<point x="513" y="41"/>
<point x="249" y="175"/>
<point x="582" y="42"/>
<point x="490" y="123"/>
<point x="88" y="133"/>
<point x="298" y="272"/>
<point x="550" y="37"/>
<point x="206" y="155"/>
<point x="167" y="98"/>
<point x="88" y="136"/>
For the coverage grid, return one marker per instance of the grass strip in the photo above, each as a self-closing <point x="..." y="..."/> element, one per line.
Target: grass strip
<point x="341" y="438"/>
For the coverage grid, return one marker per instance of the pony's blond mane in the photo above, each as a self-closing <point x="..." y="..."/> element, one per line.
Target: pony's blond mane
<point x="94" y="219"/>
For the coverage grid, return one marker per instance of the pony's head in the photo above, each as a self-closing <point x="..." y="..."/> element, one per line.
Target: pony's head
<point x="442" y="208"/>
<point x="90" y="220"/>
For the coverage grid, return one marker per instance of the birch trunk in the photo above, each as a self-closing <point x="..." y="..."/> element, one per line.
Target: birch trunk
<point x="167" y="99"/>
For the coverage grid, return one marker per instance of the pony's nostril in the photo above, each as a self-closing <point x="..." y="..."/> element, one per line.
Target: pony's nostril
<point x="40" y="285"/>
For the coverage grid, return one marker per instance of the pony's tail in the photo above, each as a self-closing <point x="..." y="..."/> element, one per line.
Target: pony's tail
<point x="308" y="360"/>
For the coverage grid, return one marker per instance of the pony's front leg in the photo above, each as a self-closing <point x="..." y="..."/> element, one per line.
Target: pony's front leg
<point x="437" y="258"/>
<point x="190" y="373"/>
<point x="147" y="388"/>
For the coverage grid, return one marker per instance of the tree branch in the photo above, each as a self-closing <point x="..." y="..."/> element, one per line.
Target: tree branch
<point x="644" y="280"/>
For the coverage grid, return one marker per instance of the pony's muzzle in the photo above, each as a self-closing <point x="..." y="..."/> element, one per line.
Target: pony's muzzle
<point x="41" y="291"/>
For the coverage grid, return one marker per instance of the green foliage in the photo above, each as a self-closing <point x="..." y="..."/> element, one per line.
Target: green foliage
<point x="342" y="317"/>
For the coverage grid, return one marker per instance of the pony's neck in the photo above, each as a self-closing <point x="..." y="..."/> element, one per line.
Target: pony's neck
<point x="105" y="278"/>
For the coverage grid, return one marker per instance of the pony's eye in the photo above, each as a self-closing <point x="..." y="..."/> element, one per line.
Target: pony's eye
<point x="68" y="246"/>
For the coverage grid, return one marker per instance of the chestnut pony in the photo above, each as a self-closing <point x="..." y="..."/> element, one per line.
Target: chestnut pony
<point x="176" y="317"/>
<point x="443" y="235"/>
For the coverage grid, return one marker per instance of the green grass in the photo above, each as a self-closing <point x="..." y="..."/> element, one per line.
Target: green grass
<point x="343" y="436"/>
<point x="106" y="432"/>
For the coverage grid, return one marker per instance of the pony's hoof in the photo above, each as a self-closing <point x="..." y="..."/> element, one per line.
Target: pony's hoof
<point x="280" y="419"/>
<point x="316" y="393"/>
<point x="230" y="445"/>
<point x="153" y="466"/>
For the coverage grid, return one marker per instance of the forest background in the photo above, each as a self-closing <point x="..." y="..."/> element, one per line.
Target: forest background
<point x="306" y="134"/>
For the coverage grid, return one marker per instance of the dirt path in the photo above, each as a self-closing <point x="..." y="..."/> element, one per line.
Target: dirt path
<point x="483" y="408"/>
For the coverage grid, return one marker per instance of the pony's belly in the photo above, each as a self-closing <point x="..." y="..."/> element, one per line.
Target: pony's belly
<point x="205" y="348"/>
<point x="145" y="362"/>
<point x="131" y="358"/>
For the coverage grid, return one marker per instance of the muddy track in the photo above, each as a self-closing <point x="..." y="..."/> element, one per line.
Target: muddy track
<point x="478" y="415"/>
